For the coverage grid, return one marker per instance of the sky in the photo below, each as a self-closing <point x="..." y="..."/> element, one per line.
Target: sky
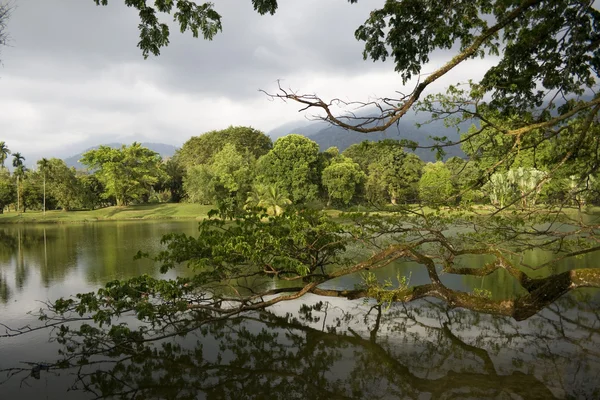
<point x="73" y="76"/>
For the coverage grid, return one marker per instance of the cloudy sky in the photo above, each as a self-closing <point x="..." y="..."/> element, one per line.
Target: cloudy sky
<point x="73" y="76"/>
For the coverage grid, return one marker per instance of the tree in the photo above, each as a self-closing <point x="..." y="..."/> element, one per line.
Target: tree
<point x="63" y="184"/>
<point x="271" y="198"/>
<point x="197" y="184"/>
<point x="529" y="183"/>
<point x="4" y="151"/>
<point x="341" y="179"/>
<point x="7" y="190"/>
<point x="5" y="11"/>
<point x="435" y="186"/>
<point x="174" y="181"/>
<point x="43" y="166"/>
<point x="31" y="191"/>
<point x="226" y="180"/>
<point x="19" y="174"/>
<point x="292" y="165"/>
<point x="200" y="150"/>
<point x="392" y="174"/>
<point x="127" y="173"/>
<point x="466" y="178"/>
<point x="499" y="189"/>
<point x="92" y="190"/>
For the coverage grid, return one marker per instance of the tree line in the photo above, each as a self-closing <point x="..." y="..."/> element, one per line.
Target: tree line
<point x="240" y="167"/>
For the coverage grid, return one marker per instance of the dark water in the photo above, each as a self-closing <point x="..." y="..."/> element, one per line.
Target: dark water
<point x="328" y="348"/>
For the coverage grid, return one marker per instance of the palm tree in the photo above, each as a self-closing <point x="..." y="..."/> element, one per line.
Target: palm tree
<point x="269" y="197"/>
<point x="19" y="173"/>
<point x="44" y="164"/>
<point x="4" y="152"/>
<point x="274" y="200"/>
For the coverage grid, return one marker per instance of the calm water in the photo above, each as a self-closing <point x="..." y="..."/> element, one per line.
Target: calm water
<point x="341" y="349"/>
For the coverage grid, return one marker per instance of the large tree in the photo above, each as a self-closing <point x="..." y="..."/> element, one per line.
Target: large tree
<point x="392" y="174"/>
<point x="200" y="150"/>
<point x="4" y="153"/>
<point x="341" y="179"/>
<point x="292" y="165"/>
<point x="127" y="173"/>
<point x="62" y="183"/>
<point x="226" y="180"/>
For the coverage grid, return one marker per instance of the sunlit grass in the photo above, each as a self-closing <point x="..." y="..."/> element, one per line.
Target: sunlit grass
<point x="136" y="212"/>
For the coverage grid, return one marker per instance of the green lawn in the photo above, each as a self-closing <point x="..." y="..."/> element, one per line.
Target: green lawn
<point x="137" y="212"/>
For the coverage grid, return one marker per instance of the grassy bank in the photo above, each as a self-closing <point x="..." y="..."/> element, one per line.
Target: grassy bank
<point x="137" y="212"/>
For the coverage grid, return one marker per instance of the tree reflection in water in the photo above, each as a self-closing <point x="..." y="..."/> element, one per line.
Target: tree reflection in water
<point x="345" y="350"/>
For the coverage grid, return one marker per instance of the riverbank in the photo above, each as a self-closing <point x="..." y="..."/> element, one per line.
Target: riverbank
<point x="189" y="211"/>
<point x="161" y="211"/>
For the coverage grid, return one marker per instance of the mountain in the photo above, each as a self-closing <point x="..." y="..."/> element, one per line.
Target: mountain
<point x="165" y="150"/>
<point x="327" y="135"/>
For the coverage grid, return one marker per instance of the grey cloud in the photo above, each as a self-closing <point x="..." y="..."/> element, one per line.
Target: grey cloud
<point x="74" y="77"/>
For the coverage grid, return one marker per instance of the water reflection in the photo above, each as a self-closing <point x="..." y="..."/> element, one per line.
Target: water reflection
<point x="333" y="349"/>
<point x="33" y="258"/>
<point x="326" y="350"/>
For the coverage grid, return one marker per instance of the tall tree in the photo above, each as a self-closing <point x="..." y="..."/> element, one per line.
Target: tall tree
<point x="4" y="153"/>
<point x="292" y="165"/>
<point x="392" y="174"/>
<point x="435" y="186"/>
<point x="341" y="179"/>
<point x="127" y="173"/>
<point x="7" y="190"/>
<point x="63" y="184"/>
<point x="226" y="180"/>
<point x="43" y="166"/>
<point x="201" y="149"/>
<point x="19" y="174"/>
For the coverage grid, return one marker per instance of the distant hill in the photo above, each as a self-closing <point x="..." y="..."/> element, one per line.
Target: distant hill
<point x="327" y="135"/>
<point x="165" y="150"/>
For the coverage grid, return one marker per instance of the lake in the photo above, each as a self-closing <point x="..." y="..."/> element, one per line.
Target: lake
<point x="310" y="348"/>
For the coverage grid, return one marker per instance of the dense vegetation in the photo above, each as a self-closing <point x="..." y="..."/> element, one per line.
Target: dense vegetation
<point x="239" y="167"/>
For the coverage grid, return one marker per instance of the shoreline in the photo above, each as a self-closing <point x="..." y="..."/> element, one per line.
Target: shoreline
<point x="143" y="212"/>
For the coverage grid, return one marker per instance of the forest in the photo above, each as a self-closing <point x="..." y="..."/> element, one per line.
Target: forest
<point x="239" y="168"/>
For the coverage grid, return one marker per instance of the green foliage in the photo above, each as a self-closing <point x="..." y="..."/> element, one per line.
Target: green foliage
<point x="499" y="189"/>
<point x="200" y="150"/>
<point x="386" y="292"/>
<point x="271" y="198"/>
<point x="292" y="165"/>
<point x="226" y="180"/>
<point x="92" y="190"/>
<point x="520" y="183"/>
<point x="8" y="193"/>
<point x="466" y="179"/>
<point x="293" y="244"/>
<point x="392" y="174"/>
<point x="435" y="186"/>
<point x="128" y="173"/>
<point x="4" y="150"/>
<point x="154" y="34"/>
<point x="341" y="179"/>
<point x="535" y="56"/>
<point x="197" y="184"/>
<point x="174" y="173"/>
<point x="62" y="184"/>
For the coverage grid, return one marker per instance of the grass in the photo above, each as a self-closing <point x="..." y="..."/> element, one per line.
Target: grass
<point x="136" y="212"/>
<point x="166" y="211"/>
